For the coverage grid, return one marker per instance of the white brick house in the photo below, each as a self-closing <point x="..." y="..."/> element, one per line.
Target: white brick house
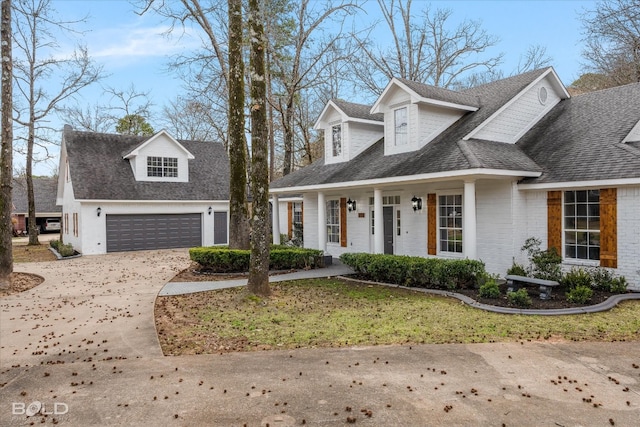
<point x="473" y="174"/>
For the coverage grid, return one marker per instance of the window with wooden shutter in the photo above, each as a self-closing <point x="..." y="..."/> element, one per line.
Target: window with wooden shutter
<point x="343" y="222"/>
<point x="554" y="220"/>
<point x="608" y="228"/>
<point x="431" y="224"/>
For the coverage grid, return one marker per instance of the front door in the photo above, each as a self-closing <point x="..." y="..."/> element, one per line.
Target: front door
<point x="387" y="219"/>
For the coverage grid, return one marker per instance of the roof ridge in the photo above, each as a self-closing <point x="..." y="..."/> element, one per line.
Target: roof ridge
<point x="472" y="159"/>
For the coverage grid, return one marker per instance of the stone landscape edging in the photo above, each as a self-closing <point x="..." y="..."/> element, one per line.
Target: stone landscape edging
<point x="608" y="304"/>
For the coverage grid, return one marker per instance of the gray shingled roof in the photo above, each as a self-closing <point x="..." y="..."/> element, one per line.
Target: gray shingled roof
<point x="580" y="139"/>
<point x="358" y="111"/>
<point x="98" y="170"/>
<point x="442" y="94"/>
<point x="447" y="152"/>
<point x="44" y="194"/>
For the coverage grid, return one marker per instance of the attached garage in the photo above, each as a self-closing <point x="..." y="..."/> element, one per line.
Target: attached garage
<point x="153" y="231"/>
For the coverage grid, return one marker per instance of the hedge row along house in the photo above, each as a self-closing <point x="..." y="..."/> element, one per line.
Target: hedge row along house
<point x="428" y="171"/>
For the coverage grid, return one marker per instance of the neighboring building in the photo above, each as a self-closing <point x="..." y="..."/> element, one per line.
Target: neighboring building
<point x="124" y="193"/>
<point x="473" y="174"/>
<point x="44" y="194"/>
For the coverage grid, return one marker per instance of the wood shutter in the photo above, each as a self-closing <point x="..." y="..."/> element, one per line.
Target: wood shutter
<point x="608" y="228"/>
<point x="343" y="222"/>
<point x="554" y="220"/>
<point x="432" y="244"/>
<point x="290" y="219"/>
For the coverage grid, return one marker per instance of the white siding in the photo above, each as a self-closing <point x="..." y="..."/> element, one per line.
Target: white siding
<point x="362" y="136"/>
<point x="69" y="207"/>
<point x="520" y="116"/>
<point x="433" y="121"/>
<point x="629" y="235"/>
<point x="160" y="147"/>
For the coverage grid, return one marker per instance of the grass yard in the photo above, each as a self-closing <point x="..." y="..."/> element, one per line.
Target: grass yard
<point x="334" y="313"/>
<point x="36" y="253"/>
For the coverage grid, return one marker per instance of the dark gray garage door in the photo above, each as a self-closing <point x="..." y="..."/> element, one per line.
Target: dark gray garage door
<point x="153" y="231"/>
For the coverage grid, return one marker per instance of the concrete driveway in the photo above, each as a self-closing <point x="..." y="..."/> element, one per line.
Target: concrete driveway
<point x="83" y="345"/>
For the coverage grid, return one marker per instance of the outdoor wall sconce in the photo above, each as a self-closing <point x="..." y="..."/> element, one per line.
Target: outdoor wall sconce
<point x="416" y="203"/>
<point x="99" y="210"/>
<point x="210" y="210"/>
<point x="351" y="205"/>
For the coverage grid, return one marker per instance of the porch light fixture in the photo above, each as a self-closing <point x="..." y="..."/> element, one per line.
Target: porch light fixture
<point x="99" y="210"/>
<point x="351" y="205"/>
<point x="416" y="203"/>
<point x="210" y="210"/>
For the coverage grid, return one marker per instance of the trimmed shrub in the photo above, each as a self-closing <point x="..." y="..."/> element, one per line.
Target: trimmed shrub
<point x="519" y="298"/>
<point x="62" y="249"/>
<point x="415" y="271"/>
<point x="577" y="277"/>
<point x="544" y="264"/>
<point x="517" y="269"/>
<point x="581" y="294"/>
<point x="619" y="285"/>
<point x="221" y="259"/>
<point x="490" y="290"/>
<point x="55" y="244"/>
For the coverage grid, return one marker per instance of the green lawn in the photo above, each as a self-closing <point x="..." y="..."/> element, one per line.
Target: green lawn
<point x="334" y="313"/>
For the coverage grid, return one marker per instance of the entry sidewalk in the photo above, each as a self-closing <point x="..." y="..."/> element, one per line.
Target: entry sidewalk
<point x="179" y="288"/>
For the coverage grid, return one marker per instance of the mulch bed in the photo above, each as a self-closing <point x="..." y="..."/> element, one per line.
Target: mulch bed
<point x="21" y="282"/>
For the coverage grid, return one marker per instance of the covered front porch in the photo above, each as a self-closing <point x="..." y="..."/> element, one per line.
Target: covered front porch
<point x="471" y="216"/>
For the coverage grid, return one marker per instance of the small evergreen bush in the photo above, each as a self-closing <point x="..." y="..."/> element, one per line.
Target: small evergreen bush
<point x="577" y="277"/>
<point x="490" y="290"/>
<point x="517" y="270"/>
<point x="580" y="294"/>
<point x="619" y="285"/>
<point x="519" y="298"/>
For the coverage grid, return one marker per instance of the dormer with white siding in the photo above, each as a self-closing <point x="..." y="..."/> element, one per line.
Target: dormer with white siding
<point x="349" y="129"/>
<point x="509" y="123"/>
<point x="160" y="158"/>
<point x="415" y="113"/>
<point x="634" y="135"/>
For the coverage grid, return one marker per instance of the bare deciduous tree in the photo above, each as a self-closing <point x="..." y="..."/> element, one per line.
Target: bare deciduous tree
<point x="43" y="80"/>
<point x="6" y="147"/>
<point x="192" y="119"/>
<point x="300" y="60"/>
<point x="258" y="282"/>
<point x="612" y="35"/>
<point x="424" y="48"/>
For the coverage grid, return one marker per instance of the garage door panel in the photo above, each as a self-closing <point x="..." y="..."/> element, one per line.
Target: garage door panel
<point x="153" y="231"/>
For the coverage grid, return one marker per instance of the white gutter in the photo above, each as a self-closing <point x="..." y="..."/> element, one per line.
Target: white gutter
<point x="410" y="179"/>
<point x="602" y="183"/>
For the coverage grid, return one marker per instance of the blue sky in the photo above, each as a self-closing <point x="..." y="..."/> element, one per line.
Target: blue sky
<point x="134" y="52"/>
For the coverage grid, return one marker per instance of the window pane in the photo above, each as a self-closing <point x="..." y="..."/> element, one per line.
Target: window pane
<point x="336" y="139"/>
<point x="401" y="126"/>
<point x="594" y="253"/>
<point x="581" y="209"/>
<point x="570" y="223"/>
<point x="581" y="252"/>
<point x="581" y="196"/>
<point x="569" y="196"/>
<point x="570" y="251"/>
<point x="594" y="196"/>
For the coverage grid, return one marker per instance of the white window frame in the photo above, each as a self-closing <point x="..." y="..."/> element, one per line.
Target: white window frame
<point x="333" y="221"/>
<point x="460" y="218"/>
<point x="401" y="131"/>
<point x="567" y="227"/>
<point x="162" y="167"/>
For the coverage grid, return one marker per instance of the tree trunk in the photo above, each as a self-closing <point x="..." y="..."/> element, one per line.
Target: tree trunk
<point x="260" y="243"/>
<point x="33" y="227"/>
<point x="287" y="167"/>
<point x="238" y="220"/>
<point x="6" y="149"/>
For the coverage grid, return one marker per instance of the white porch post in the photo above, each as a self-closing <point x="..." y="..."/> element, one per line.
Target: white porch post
<point x="378" y="223"/>
<point x="322" y="223"/>
<point x="469" y="227"/>
<point x="275" y="219"/>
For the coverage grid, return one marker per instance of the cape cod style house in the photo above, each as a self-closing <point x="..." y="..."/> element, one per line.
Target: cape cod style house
<point x="428" y="171"/>
<point x="124" y="193"/>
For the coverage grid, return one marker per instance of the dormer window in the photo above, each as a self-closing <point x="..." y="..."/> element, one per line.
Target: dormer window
<point x="401" y="127"/>
<point x="336" y="138"/>
<point x="166" y="167"/>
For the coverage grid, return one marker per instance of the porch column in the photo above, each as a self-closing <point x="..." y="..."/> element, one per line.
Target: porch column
<point x="322" y="222"/>
<point x="469" y="233"/>
<point x="275" y="219"/>
<point x="378" y="223"/>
